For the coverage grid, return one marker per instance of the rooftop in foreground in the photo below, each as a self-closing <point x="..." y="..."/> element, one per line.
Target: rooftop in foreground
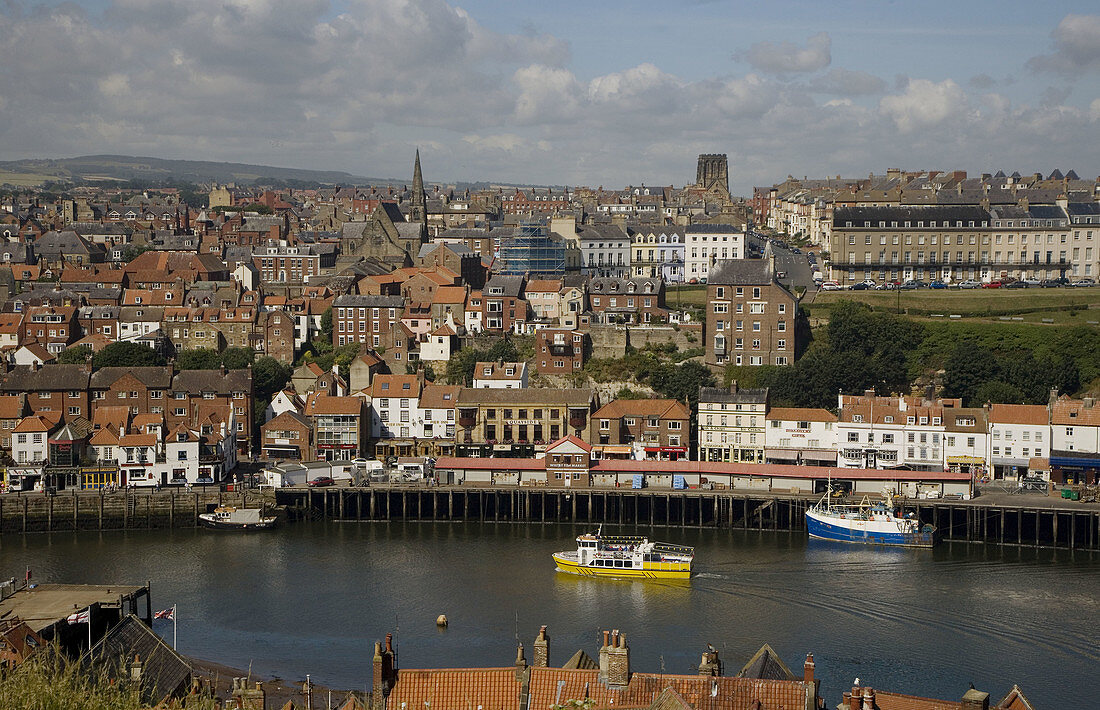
<point x="46" y="604"/>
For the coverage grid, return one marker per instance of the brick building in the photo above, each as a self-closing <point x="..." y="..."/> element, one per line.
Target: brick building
<point x="657" y="429"/>
<point x="288" y="436"/>
<point x="559" y="351"/>
<point x="751" y="317"/>
<point x="366" y="319"/>
<point x="634" y="300"/>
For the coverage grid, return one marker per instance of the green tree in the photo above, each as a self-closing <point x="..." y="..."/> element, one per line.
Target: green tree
<point x="258" y="208"/>
<point x="75" y="356"/>
<point x="460" y="368"/>
<point x="198" y="359"/>
<point x="682" y="381"/>
<point x="127" y="354"/>
<point x="999" y="392"/>
<point x="236" y="358"/>
<point x="968" y="368"/>
<point x="326" y="325"/>
<point x="503" y="349"/>
<point x="269" y="376"/>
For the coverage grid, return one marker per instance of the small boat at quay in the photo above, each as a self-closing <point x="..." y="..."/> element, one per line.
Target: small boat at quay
<point x="868" y="522"/>
<point x="598" y="555"/>
<point x="232" y="518"/>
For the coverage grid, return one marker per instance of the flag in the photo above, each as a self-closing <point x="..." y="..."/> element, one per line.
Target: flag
<point x="82" y="617"/>
<point x="167" y="614"/>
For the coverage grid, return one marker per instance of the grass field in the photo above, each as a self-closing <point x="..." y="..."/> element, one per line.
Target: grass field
<point x="24" y="179"/>
<point x="991" y="302"/>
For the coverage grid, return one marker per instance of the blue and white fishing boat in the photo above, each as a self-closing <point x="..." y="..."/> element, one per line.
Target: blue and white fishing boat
<point x="875" y="523"/>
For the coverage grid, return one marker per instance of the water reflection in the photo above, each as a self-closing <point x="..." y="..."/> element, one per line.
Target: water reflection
<point x="312" y="598"/>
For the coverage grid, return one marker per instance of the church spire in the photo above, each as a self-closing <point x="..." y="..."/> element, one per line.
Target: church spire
<point x="418" y="209"/>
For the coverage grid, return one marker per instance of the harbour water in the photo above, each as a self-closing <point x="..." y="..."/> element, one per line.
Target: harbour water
<point x="312" y="598"/>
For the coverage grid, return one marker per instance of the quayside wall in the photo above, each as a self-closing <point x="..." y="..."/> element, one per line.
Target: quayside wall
<point x="1060" y="527"/>
<point x="1025" y="524"/>
<point x="130" y="509"/>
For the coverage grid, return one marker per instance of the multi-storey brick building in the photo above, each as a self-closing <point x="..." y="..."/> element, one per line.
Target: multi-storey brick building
<point x="281" y="264"/>
<point x="634" y="300"/>
<point x="559" y="351"/>
<point x="657" y="429"/>
<point x="520" y="422"/>
<point x="731" y="424"/>
<point x="751" y="317"/>
<point x="288" y="436"/>
<point x="54" y="327"/>
<point x="366" y="319"/>
<point x="504" y="309"/>
<point x="61" y="389"/>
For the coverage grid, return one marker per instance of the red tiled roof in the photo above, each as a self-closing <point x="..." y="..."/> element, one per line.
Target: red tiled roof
<point x="555" y="686"/>
<point x="803" y="414"/>
<point x="662" y="408"/>
<point x="1032" y="414"/>
<point x="456" y="689"/>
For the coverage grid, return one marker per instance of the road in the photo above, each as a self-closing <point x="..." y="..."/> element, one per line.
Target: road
<point x="797" y="266"/>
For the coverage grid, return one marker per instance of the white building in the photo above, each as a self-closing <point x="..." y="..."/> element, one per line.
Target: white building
<point x="891" y="432"/>
<point x="705" y="243"/>
<point x="1017" y="433"/>
<point x="500" y="375"/>
<point x="731" y="424"/>
<point x="796" y="435"/>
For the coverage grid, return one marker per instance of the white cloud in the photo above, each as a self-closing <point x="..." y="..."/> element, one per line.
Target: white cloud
<point x="789" y="58"/>
<point x="1076" y="46"/>
<point x="924" y="104"/>
<point x="845" y="82"/>
<point x="356" y="87"/>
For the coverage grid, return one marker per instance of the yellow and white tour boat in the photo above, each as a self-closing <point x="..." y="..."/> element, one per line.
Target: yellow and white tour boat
<point x="626" y="557"/>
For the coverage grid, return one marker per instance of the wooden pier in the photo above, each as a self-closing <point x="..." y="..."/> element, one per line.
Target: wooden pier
<point x="971" y="521"/>
<point x="130" y="509"/>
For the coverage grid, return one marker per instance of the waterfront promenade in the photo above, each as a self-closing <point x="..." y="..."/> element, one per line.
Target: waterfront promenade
<point x="996" y="516"/>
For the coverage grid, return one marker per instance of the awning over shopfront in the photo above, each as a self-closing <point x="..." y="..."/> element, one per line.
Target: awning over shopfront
<point x="613" y="448"/>
<point x="782" y="454"/>
<point x="967" y="460"/>
<point x="819" y="455"/>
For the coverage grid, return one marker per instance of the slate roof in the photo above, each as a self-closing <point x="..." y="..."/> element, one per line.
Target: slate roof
<point x="741" y="396"/>
<point x="662" y="408"/>
<point x="871" y="216"/>
<point x="213" y="380"/>
<point x="511" y="286"/>
<point x="543" y="395"/>
<point x="369" y="301"/>
<point x="741" y="272"/>
<point x="766" y="664"/>
<point x="165" y="673"/>
<point x="153" y="377"/>
<point x="51" y="378"/>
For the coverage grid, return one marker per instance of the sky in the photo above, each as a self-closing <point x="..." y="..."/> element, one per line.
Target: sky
<point x="599" y="92"/>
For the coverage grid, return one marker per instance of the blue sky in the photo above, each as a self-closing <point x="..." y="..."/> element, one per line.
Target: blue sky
<point x="599" y="93"/>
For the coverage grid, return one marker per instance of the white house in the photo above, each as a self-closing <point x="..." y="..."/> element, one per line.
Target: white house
<point x="800" y="436"/>
<point x="704" y="243"/>
<point x="30" y="441"/>
<point x="439" y="344"/>
<point x="1017" y="433"/>
<point x="500" y="375"/>
<point x="891" y="432"/>
<point x="284" y="401"/>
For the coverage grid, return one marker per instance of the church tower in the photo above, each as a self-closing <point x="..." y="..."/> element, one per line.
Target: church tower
<point x="418" y="209"/>
<point x="712" y="174"/>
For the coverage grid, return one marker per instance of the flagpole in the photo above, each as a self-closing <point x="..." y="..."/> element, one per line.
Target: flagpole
<point x="89" y="631"/>
<point x="173" y="627"/>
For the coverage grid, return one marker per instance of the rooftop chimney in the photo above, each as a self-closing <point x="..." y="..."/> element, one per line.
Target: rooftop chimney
<point x="541" y="653"/>
<point x="868" y="699"/>
<point x="521" y="663"/>
<point x="975" y="700"/>
<point x="618" y="661"/>
<point x="710" y="664"/>
<point x="604" y="650"/>
<point x="808" y="669"/>
<point x="136" y="669"/>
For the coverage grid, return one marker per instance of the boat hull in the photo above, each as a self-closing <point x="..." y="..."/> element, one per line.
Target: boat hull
<point x="841" y="530"/>
<point x="655" y="570"/>
<point x="264" y="524"/>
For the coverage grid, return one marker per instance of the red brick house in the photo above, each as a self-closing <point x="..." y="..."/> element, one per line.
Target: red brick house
<point x="559" y="351"/>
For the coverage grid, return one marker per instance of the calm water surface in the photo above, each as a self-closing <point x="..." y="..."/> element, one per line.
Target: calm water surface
<point x="312" y="598"/>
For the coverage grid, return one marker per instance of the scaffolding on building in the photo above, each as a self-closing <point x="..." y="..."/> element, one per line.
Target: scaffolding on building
<point x="533" y="252"/>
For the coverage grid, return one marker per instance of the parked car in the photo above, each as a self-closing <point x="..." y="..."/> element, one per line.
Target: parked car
<point x="888" y="286"/>
<point x="1016" y="284"/>
<point x="1050" y="283"/>
<point x="1084" y="282"/>
<point x="830" y="286"/>
<point x="1033" y="282"/>
<point x="992" y="284"/>
<point x="321" y="482"/>
<point x="912" y="284"/>
<point x="861" y="286"/>
<point x="970" y="283"/>
<point x="937" y="284"/>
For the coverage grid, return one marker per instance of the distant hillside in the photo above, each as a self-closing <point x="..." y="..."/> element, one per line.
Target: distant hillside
<point x="109" y="168"/>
